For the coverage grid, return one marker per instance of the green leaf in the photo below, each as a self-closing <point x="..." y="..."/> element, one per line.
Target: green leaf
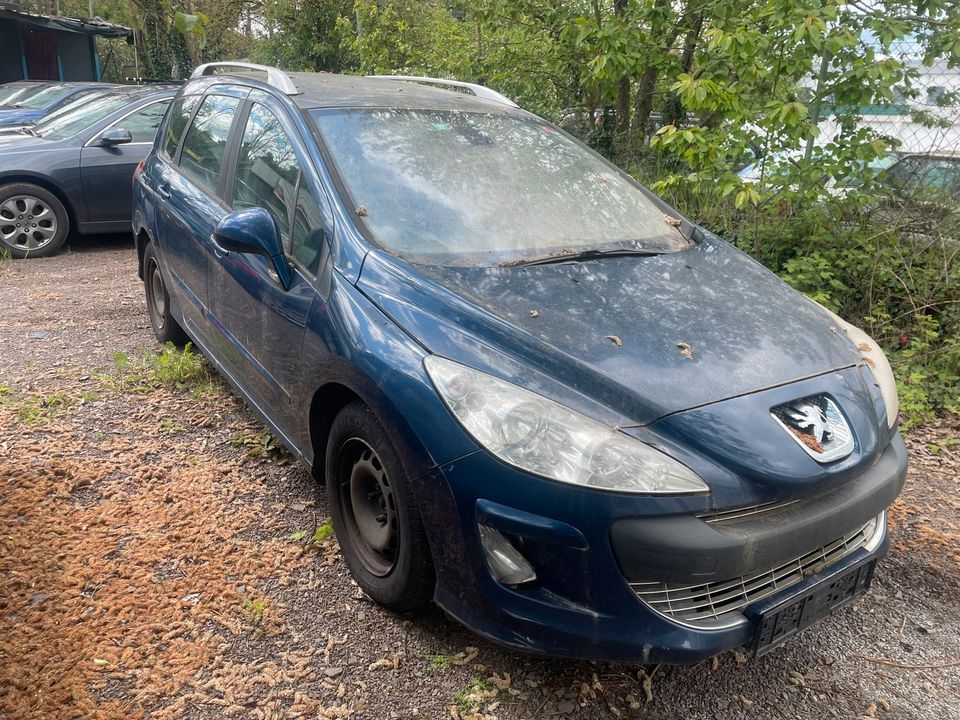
<point x="192" y="24"/>
<point x="322" y="532"/>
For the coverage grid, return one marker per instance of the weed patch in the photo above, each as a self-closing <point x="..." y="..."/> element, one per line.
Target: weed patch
<point x="32" y="409"/>
<point x="470" y="702"/>
<point x="253" y="609"/>
<point x="171" y="368"/>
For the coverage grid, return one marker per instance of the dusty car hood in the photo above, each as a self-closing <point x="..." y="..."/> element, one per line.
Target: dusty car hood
<point x="646" y="336"/>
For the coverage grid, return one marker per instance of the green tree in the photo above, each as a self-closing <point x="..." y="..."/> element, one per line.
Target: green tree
<point x="307" y="35"/>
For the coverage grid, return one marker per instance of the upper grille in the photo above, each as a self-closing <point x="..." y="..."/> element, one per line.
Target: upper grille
<point x="719" y="516"/>
<point x="718" y="604"/>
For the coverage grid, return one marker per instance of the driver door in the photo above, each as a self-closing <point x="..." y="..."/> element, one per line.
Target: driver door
<point x="259" y="323"/>
<point x="107" y="170"/>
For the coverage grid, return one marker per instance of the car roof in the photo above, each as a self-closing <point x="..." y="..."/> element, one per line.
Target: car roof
<point x="138" y="91"/>
<point x="327" y="90"/>
<point x="330" y="90"/>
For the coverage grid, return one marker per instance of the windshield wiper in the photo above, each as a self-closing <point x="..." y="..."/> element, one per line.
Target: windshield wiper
<point x="29" y="129"/>
<point x="577" y="256"/>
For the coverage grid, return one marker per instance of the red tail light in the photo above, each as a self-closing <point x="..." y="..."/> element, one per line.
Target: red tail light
<point x="137" y="169"/>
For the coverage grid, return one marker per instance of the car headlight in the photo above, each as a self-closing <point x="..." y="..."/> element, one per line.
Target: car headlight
<point x="877" y="362"/>
<point x="546" y="438"/>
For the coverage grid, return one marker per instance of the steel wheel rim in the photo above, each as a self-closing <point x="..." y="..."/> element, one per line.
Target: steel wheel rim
<point x="368" y="507"/>
<point x="27" y="223"/>
<point x="158" y="296"/>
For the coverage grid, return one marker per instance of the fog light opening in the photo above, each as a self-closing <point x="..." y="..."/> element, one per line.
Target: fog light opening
<point x="506" y="563"/>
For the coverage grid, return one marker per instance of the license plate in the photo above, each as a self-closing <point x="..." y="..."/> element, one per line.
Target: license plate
<point x="784" y="618"/>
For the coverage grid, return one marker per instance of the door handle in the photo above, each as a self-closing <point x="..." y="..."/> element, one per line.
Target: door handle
<point x="218" y="249"/>
<point x="163" y="191"/>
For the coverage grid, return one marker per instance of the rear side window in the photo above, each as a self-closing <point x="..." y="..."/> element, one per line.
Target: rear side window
<point x="142" y="125"/>
<point x="179" y="117"/>
<point x="267" y="169"/>
<point x="203" y="147"/>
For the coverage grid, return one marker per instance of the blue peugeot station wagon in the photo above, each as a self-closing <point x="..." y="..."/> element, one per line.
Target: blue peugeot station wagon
<point x="537" y="395"/>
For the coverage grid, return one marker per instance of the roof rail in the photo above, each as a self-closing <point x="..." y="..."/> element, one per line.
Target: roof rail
<point x="275" y="77"/>
<point x="481" y="91"/>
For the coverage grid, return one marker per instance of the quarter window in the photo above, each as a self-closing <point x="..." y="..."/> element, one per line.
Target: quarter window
<point x="308" y="230"/>
<point x="267" y="170"/>
<point x="142" y="125"/>
<point x="203" y="147"/>
<point x="179" y="117"/>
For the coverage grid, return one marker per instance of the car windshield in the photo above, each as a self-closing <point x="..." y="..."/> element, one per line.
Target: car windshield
<point x="8" y="93"/>
<point x="78" y="116"/>
<point x="450" y="187"/>
<point x="69" y="104"/>
<point x="45" y="97"/>
<point x="15" y="93"/>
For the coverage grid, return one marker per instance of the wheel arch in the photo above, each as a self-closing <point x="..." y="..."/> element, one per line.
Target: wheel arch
<point x="49" y="186"/>
<point x="331" y="397"/>
<point x="141" y="238"/>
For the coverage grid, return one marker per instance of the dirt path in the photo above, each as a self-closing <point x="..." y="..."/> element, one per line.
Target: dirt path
<point x="153" y="562"/>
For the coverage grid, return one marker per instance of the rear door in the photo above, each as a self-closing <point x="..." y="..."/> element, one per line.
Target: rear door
<point x="190" y="192"/>
<point x="107" y="171"/>
<point x="261" y="323"/>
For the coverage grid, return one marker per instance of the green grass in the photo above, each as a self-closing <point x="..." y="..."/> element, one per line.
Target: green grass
<point x="32" y="409"/>
<point x="170" y="368"/>
<point x="471" y="700"/>
<point x="439" y="661"/>
<point x="253" y="609"/>
<point x="171" y="426"/>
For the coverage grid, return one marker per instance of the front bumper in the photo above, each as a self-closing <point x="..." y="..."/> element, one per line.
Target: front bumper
<point x="588" y="546"/>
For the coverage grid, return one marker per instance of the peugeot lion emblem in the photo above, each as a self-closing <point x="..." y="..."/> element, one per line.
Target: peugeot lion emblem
<point x="817" y="425"/>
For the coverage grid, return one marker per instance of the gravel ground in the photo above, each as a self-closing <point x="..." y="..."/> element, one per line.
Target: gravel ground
<point x="147" y="568"/>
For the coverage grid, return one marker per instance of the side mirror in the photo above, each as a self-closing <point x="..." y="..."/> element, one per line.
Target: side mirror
<point x="115" y="136"/>
<point x="253" y="231"/>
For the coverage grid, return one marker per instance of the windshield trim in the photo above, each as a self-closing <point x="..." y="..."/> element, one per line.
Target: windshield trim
<point x="685" y="227"/>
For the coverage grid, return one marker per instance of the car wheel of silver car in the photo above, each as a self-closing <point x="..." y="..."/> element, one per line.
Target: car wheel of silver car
<point x="376" y="519"/>
<point x="158" y="301"/>
<point x="33" y="222"/>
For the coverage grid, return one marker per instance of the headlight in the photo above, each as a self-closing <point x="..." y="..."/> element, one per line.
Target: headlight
<point x="877" y="362"/>
<point x="543" y="437"/>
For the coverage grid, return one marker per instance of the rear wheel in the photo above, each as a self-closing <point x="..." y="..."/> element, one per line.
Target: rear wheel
<point x="158" y="301"/>
<point x="376" y="519"/>
<point x="33" y="222"/>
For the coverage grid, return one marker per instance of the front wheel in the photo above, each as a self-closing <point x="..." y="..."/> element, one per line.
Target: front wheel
<point x="158" y="301"/>
<point x="33" y="221"/>
<point x="376" y="519"/>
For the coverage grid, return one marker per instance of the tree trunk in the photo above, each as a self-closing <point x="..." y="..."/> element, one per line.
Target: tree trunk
<point x="154" y="39"/>
<point x="623" y="84"/>
<point x="644" y="105"/>
<point x="674" y="112"/>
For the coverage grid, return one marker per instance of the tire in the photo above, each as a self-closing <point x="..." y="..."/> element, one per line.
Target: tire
<point x="33" y="221"/>
<point x="158" y="301"/>
<point x="375" y="517"/>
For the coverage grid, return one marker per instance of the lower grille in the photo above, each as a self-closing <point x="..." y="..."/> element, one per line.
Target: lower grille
<point x="718" y="604"/>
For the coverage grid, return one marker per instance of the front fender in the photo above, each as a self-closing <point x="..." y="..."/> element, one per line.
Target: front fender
<point x="350" y="342"/>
